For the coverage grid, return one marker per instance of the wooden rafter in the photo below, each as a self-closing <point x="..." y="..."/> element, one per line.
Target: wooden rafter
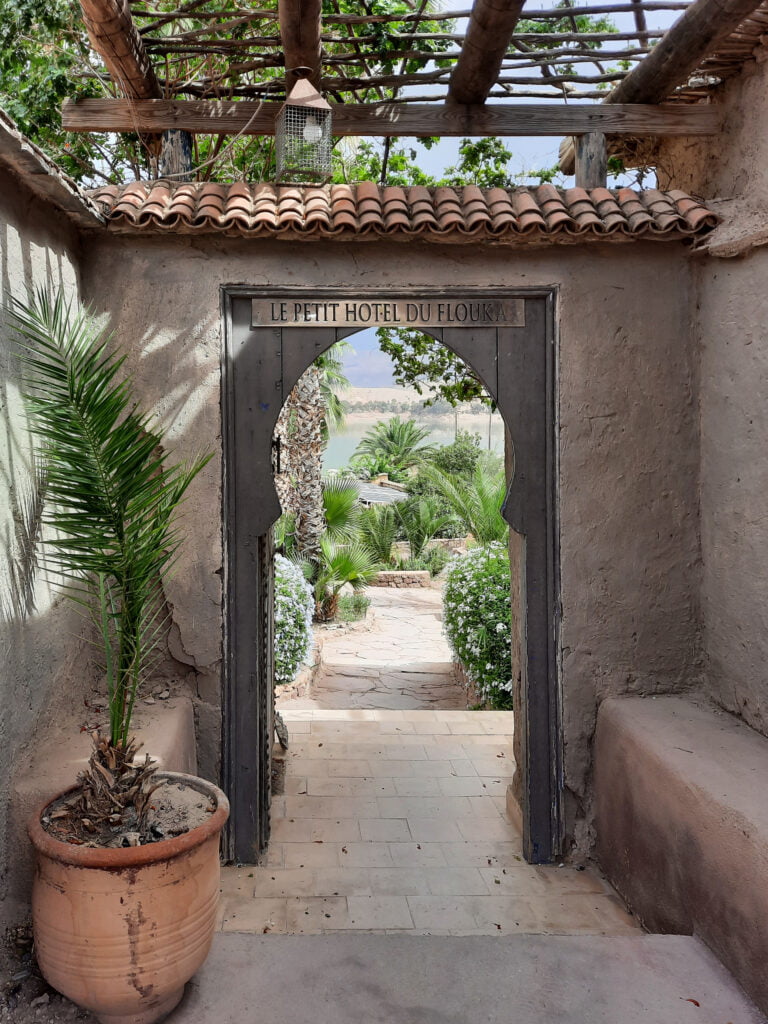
<point x="697" y="33"/>
<point x="489" y="32"/>
<point x="209" y="50"/>
<point x="116" y="39"/>
<point x="383" y="120"/>
<point x="300" y="34"/>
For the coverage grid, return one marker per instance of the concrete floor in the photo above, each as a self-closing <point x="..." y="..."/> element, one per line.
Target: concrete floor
<point x="395" y="891"/>
<point x="395" y="821"/>
<point x="406" y="979"/>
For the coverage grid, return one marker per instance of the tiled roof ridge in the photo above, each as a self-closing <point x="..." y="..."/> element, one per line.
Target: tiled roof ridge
<point x="366" y="209"/>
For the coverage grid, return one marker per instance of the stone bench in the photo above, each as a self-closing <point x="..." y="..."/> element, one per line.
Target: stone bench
<point x="682" y="825"/>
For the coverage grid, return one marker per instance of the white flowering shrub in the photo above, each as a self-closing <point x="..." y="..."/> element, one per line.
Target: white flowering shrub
<point x="294" y="604"/>
<point x="476" y="620"/>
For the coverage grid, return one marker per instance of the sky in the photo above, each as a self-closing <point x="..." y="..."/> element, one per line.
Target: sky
<point x="366" y="365"/>
<point x="529" y="152"/>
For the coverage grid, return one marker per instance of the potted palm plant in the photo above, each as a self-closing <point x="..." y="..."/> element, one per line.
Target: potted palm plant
<point x="124" y="906"/>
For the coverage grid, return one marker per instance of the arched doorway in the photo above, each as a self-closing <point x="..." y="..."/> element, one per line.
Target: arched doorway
<point x="271" y="337"/>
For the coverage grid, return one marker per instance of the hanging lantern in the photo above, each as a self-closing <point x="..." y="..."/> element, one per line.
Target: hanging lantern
<point x="303" y="136"/>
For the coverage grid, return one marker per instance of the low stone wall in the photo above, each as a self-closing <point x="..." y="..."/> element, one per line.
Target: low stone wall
<point x="301" y="686"/>
<point x="404" y="578"/>
<point x="454" y="545"/>
<point x="682" y="825"/>
<point x="466" y="683"/>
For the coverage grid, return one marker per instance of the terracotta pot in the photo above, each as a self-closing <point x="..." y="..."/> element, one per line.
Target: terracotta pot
<point x="120" y="932"/>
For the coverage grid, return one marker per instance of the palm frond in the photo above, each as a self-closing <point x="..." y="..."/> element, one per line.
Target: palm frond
<point x="420" y="521"/>
<point x="341" y="506"/>
<point x="378" y="530"/>
<point x="111" y="497"/>
<point x="477" y="501"/>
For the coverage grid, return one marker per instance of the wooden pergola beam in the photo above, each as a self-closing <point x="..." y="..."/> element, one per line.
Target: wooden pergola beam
<point x="489" y="32"/>
<point x="697" y="33"/>
<point x="300" y="35"/>
<point x="208" y="117"/>
<point x="116" y="39"/>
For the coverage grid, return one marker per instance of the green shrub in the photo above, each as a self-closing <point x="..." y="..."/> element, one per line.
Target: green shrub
<point x="476" y="620"/>
<point x="352" y="607"/>
<point x="294" y="604"/>
<point x="412" y="565"/>
<point x="437" y="558"/>
<point x="433" y="561"/>
<point x="460" y="457"/>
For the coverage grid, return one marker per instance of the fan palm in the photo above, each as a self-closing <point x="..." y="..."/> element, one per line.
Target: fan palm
<point x="341" y="507"/>
<point x="111" y="498"/>
<point x="477" y="501"/>
<point x="340" y="563"/>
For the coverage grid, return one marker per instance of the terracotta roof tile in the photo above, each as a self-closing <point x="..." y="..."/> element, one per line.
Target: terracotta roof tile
<point x="366" y="209"/>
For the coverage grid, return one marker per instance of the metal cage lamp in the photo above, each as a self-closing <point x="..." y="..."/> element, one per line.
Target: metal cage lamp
<point x="303" y="136"/>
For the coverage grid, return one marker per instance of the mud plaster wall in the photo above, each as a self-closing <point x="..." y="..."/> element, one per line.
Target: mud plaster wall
<point x="628" y="439"/>
<point x="732" y="334"/>
<point x="39" y="659"/>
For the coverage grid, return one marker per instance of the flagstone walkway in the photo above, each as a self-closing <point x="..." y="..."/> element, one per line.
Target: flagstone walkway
<point x="395" y="821"/>
<point x="399" y="660"/>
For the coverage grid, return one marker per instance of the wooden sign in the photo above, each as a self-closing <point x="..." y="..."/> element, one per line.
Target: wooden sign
<point x="390" y="312"/>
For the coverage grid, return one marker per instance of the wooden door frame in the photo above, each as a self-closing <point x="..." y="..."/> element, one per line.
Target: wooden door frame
<point x="526" y="382"/>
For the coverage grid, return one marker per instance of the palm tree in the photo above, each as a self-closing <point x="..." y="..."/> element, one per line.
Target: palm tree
<point x="311" y="409"/>
<point x="396" y="444"/>
<point x="420" y="521"/>
<point x="112" y="499"/>
<point x="378" y="529"/>
<point x="477" y="502"/>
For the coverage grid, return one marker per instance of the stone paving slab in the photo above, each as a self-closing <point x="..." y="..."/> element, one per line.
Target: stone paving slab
<point x="399" y="824"/>
<point x="409" y="979"/>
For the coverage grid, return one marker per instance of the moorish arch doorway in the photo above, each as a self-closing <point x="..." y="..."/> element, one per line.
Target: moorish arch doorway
<point x="272" y="336"/>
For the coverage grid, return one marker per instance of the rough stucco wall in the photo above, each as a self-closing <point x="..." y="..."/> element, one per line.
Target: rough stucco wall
<point x="731" y="318"/>
<point x="734" y="163"/>
<point x="628" y="438"/>
<point x="37" y="649"/>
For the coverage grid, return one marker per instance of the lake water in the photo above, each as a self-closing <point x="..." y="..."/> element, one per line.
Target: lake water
<point x="342" y="443"/>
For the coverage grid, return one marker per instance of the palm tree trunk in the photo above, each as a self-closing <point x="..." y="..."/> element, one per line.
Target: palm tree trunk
<point x="299" y="484"/>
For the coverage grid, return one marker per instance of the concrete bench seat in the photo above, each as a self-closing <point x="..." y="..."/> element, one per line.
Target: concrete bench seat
<point x="682" y="824"/>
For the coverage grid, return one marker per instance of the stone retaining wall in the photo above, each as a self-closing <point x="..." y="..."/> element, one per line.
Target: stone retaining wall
<point x="405" y="578"/>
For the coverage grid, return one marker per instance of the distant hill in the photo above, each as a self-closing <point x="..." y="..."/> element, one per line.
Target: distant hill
<point x="360" y="396"/>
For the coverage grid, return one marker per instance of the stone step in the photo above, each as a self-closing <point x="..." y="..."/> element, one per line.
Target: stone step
<point x="522" y="979"/>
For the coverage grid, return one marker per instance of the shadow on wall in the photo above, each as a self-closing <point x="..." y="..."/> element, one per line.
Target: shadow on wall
<point x="39" y="648"/>
<point x="174" y="364"/>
